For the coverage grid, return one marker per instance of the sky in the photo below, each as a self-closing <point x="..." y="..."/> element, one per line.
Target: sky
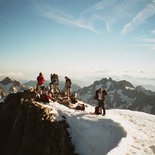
<point x="118" y="132"/>
<point x="83" y="39"/>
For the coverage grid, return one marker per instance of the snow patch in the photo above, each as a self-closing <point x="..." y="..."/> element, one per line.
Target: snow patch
<point x="130" y="88"/>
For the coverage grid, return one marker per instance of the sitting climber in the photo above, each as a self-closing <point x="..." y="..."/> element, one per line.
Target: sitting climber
<point x="46" y="96"/>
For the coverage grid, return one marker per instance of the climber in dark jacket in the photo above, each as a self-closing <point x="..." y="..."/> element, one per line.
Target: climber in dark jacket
<point x="68" y="84"/>
<point x="100" y="96"/>
<point x="54" y="85"/>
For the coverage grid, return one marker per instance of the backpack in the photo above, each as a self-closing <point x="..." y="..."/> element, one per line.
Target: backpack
<point x="54" y="79"/>
<point x="98" y="110"/>
<point x="80" y="107"/>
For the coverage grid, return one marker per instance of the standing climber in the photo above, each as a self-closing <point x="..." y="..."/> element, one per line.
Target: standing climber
<point x="68" y="87"/>
<point x="40" y="82"/>
<point x="54" y="85"/>
<point x="100" y="96"/>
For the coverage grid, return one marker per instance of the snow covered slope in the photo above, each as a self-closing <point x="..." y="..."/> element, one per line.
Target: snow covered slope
<point x="120" y="132"/>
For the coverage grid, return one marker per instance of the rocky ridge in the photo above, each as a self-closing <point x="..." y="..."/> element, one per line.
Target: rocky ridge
<point x="30" y="128"/>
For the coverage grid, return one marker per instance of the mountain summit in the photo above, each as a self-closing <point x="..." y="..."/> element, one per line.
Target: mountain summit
<point x="8" y="86"/>
<point x="28" y="127"/>
<point x="6" y="81"/>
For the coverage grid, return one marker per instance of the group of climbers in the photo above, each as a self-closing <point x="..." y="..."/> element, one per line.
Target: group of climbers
<point x="53" y="93"/>
<point x="53" y="90"/>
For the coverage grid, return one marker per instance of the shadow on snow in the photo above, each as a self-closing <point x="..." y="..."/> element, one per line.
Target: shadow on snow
<point x="94" y="135"/>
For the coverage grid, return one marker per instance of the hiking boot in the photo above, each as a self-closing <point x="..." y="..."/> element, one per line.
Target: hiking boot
<point x="103" y="114"/>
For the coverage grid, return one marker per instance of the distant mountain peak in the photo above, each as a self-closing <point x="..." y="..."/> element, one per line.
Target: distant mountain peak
<point x="121" y="95"/>
<point x="6" y="80"/>
<point x="126" y="83"/>
<point x="140" y="87"/>
<point x="10" y="86"/>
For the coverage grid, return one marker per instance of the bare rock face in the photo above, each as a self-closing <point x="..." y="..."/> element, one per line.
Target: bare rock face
<point x="7" y="80"/>
<point x="29" y="128"/>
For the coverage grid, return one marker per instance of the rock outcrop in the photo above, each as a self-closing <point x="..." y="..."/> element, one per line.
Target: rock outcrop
<point x="30" y="128"/>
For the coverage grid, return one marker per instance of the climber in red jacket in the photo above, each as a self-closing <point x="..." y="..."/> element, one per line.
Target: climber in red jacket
<point x="40" y="82"/>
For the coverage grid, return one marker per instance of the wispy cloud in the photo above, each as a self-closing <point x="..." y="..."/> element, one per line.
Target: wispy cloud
<point x="150" y="46"/>
<point x="61" y="17"/>
<point x="88" y="18"/>
<point x="103" y="15"/>
<point x="149" y="40"/>
<point x="112" y="13"/>
<point x="148" y="43"/>
<point x="140" y="18"/>
<point x="153" y="31"/>
<point x="144" y="45"/>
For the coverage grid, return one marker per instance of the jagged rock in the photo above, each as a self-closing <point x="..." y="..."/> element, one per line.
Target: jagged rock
<point x="2" y="94"/>
<point x="11" y="86"/>
<point x="5" y="81"/>
<point x="29" y="128"/>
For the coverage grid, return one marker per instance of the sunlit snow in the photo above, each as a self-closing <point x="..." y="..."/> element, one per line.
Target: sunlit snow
<point x="120" y="132"/>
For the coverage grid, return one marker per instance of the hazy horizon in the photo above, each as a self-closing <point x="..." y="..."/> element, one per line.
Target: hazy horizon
<point x="148" y="84"/>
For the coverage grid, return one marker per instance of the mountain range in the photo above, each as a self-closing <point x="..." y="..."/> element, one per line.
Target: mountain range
<point x="121" y="95"/>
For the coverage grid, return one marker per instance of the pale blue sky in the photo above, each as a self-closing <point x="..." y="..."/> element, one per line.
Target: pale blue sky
<point x="84" y="39"/>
